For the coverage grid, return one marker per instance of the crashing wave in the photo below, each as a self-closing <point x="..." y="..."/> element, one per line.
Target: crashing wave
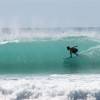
<point x="59" y="87"/>
<point x="29" y="34"/>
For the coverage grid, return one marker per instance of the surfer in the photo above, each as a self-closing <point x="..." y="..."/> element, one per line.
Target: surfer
<point x="73" y="50"/>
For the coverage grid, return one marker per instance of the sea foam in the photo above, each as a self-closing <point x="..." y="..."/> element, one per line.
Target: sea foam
<point x="50" y="87"/>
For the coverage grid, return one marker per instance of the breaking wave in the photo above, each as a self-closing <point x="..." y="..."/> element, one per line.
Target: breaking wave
<point x="53" y="87"/>
<point x="8" y="34"/>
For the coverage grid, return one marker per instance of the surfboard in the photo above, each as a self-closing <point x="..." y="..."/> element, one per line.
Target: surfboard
<point x="74" y="56"/>
<point x="67" y="57"/>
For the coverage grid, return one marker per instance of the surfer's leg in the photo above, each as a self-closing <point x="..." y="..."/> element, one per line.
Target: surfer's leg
<point x="70" y="54"/>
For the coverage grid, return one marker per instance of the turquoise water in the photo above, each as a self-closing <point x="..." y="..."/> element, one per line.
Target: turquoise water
<point x="40" y="67"/>
<point x="50" y="56"/>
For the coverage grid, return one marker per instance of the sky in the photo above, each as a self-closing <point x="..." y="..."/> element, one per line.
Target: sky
<point x="50" y="13"/>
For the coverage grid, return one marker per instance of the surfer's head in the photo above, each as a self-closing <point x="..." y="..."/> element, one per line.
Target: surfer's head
<point x="68" y="48"/>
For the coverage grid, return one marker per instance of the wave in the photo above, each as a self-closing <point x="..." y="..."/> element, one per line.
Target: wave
<point x="50" y="56"/>
<point x="53" y="87"/>
<point x="31" y="34"/>
<point x="87" y="60"/>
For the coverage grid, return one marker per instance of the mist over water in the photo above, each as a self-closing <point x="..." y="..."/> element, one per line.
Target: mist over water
<point x="11" y="34"/>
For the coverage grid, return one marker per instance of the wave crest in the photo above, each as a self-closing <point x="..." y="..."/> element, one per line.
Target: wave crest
<point x="27" y="34"/>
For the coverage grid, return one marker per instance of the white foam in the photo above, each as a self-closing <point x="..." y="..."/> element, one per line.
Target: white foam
<point x="95" y="50"/>
<point x="27" y="34"/>
<point x="54" y="87"/>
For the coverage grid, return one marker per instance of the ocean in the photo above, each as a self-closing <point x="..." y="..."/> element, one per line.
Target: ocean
<point x="35" y="64"/>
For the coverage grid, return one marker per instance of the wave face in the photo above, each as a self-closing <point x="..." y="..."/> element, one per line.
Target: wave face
<point x="44" y="51"/>
<point x="54" y="87"/>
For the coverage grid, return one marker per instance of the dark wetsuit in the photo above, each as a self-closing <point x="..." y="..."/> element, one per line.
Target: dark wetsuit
<point x="73" y="50"/>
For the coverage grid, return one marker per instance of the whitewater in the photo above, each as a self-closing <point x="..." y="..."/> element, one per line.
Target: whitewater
<point x="51" y="87"/>
<point x="35" y="65"/>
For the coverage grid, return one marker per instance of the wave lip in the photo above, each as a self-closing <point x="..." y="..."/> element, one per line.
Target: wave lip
<point x="27" y="34"/>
